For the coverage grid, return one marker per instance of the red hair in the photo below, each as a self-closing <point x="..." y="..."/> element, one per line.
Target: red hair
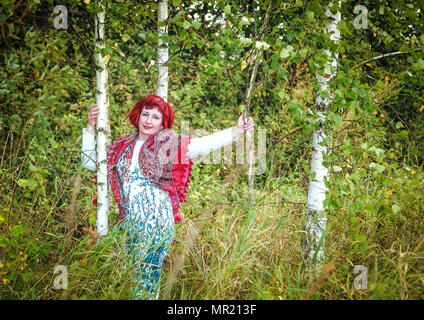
<point x="150" y="102"/>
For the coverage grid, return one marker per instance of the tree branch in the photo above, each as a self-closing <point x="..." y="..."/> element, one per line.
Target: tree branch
<point x="384" y="56"/>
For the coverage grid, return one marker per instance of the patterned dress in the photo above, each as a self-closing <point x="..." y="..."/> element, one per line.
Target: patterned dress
<point x="149" y="226"/>
<point x="148" y="218"/>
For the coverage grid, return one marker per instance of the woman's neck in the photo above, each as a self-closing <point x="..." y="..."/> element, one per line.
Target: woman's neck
<point x="142" y="137"/>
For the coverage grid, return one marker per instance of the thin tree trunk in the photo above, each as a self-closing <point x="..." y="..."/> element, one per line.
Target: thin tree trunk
<point x="162" y="89"/>
<point x="103" y="128"/>
<point x="313" y="245"/>
<point x="249" y="134"/>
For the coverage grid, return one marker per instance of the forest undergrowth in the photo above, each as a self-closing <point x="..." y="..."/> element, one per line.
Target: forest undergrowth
<point x="225" y="248"/>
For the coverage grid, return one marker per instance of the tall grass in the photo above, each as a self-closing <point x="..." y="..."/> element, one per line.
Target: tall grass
<point x="254" y="253"/>
<point x="224" y="249"/>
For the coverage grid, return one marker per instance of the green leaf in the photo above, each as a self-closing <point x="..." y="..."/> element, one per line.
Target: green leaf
<point x="337" y="169"/>
<point x="378" y="152"/>
<point x="360" y="237"/>
<point x="403" y="134"/>
<point x="3" y="240"/>
<point x="310" y="15"/>
<point x="227" y="9"/>
<point x="342" y="26"/>
<point x="27" y="276"/>
<point x="51" y="99"/>
<point x="419" y="65"/>
<point x="284" y="53"/>
<point x="245" y="21"/>
<point x="16" y="119"/>
<point x="14" y="67"/>
<point x="303" y="52"/>
<point x="54" y="144"/>
<point x="358" y="205"/>
<point x="379" y="85"/>
<point x="126" y="37"/>
<point x="245" y="41"/>
<point x="13" y="255"/>
<point x="378" y="167"/>
<point x="262" y="45"/>
<point x="186" y="24"/>
<point x="30" y="183"/>
<point x="196" y="25"/>
<point x="17" y="230"/>
<point x="395" y="208"/>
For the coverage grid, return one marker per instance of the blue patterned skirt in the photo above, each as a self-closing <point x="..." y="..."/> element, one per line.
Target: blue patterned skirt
<point x="149" y="226"/>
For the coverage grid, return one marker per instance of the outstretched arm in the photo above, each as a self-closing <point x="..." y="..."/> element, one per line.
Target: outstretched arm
<point x="88" y="149"/>
<point x="204" y="145"/>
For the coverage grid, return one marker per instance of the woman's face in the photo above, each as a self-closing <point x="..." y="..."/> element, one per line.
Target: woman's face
<point x="150" y="122"/>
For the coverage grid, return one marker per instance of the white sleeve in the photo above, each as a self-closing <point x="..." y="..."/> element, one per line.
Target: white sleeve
<point x="88" y="150"/>
<point x="209" y="143"/>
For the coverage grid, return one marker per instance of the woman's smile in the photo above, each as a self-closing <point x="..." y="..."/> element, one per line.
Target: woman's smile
<point x="150" y="122"/>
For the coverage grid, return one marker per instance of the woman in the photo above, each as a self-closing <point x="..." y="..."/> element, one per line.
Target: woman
<point x="148" y="172"/>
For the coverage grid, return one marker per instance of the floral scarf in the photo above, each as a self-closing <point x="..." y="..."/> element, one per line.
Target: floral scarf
<point x="163" y="160"/>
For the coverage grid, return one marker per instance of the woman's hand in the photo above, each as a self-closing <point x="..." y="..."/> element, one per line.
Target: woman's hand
<point x="92" y="118"/>
<point x="242" y="127"/>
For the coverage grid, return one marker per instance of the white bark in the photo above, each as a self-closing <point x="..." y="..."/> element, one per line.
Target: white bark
<point x="313" y="246"/>
<point x="103" y="128"/>
<point x="163" y="78"/>
<point x="249" y="134"/>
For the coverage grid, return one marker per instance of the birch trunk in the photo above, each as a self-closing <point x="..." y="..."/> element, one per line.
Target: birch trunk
<point x="249" y="134"/>
<point x="313" y="246"/>
<point x="102" y="126"/>
<point x="162" y="90"/>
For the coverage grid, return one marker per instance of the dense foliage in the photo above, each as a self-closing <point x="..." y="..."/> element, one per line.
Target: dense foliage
<point x="225" y="249"/>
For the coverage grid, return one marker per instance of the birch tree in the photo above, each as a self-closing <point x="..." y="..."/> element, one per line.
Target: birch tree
<point x="103" y="128"/>
<point x="313" y="246"/>
<point x="162" y="89"/>
<point x="260" y="46"/>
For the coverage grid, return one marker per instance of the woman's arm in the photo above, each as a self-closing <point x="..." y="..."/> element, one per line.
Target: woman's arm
<point x="210" y="143"/>
<point x="88" y="149"/>
<point x="204" y="145"/>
